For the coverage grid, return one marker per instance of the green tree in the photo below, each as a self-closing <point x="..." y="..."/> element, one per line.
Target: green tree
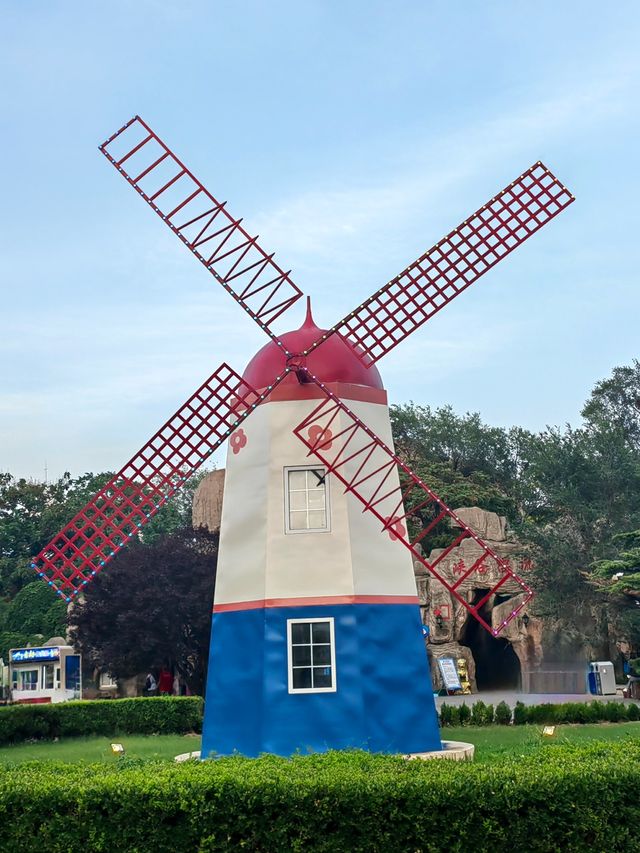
<point x="33" y="616"/>
<point x="615" y="402"/>
<point x="151" y="607"/>
<point x="617" y="580"/>
<point x="587" y="487"/>
<point x="464" y="461"/>
<point x="31" y="513"/>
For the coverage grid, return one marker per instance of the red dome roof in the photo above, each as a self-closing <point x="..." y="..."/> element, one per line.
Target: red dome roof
<point x="334" y="361"/>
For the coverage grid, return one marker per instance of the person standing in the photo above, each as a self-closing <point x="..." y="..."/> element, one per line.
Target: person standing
<point x="150" y="685"/>
<point x="165" y="682"/>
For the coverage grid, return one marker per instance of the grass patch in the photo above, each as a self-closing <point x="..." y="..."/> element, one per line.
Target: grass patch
<point x="81" y="750"/>
<point x="491" y="742"/>
<point x="495" y="741"/>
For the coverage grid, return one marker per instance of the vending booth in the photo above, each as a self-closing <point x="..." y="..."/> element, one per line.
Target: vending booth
<point x="45" y="674"/>
<point x="601" y="678"/>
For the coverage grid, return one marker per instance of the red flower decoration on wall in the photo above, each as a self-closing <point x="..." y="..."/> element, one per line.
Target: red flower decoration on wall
<point x="238" y="441"/>
<point x="396" y="528"/>
<point x="316" y="433"/>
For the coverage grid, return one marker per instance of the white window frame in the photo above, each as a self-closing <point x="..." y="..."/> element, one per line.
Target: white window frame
<point x="332" y="642"/>
<point x="327" y="499"/>
<point x="51" y="667"/>
<point x="20" y="681"/>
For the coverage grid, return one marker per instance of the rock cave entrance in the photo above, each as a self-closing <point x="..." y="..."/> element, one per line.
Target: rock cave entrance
<point x="497" y="665"/>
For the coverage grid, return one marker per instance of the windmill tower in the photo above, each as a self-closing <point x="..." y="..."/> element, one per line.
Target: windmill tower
<point x="316" y="639"/>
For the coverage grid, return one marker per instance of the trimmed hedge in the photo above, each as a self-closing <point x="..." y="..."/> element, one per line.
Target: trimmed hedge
<point x="563" y="798"/>
<point x="181" y="714"/>
<point x="568" y="712"/>
<point x="153" y="715"/>
<point x="576" y="712"/>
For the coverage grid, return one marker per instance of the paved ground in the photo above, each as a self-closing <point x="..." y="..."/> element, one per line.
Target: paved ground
<point x="493" y="697"/>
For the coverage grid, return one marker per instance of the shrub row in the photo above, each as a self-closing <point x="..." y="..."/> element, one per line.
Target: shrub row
<point x="565" y="798"/>
<point x="569" y="712"/>
<point x="161" y="715"/>
<point x="576" y="712"/>
<point x="177" y="715"/>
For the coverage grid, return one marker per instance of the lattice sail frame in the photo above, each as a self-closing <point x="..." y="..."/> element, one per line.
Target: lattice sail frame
<point x="202" y="222"/>
<point x="135" y="494"/>
<point x="392" y="313"/>
<point x="367" y="468"/>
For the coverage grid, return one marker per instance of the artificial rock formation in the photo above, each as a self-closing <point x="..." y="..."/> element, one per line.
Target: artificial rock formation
<point x="207" y="501"/>
<point x="447" y="618"/>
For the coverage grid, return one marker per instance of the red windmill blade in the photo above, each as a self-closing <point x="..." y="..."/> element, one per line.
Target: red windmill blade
<point x="366" y="467"/>
<point x="134" y="495"/>
<point x="202" y="222"/>
<point x="392" y="313"/>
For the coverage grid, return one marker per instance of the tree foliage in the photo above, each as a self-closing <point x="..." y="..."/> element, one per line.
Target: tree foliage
<point x="31" y="513"/>
<point x="151" y="608"/>
<point x="615" y="403"/>
<point x="617" y="580"/>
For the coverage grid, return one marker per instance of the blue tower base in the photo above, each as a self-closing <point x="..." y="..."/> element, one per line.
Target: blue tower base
<point x="383" y="701"/>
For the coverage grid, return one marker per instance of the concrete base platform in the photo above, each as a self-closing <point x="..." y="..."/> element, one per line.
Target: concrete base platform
<point x="454" y="750"/>
<point x="186" y="756"/>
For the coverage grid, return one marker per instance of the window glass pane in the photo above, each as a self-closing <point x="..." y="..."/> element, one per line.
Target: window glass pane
<point x="297" y="480"/>
<point x="301" y="678"/>
<point x="306" y="500"/>
<point x="310" y="656"/>
<point x="28" y="679"/>
<point x="48" y="677"/>
<point x="301" y="655"/>
<point x="321" y="632"/>
<point x="298" y="500"/>
<point x="316" y="499"/>
<point x="321" y="654"/>
<point x="300" y="632"/>
<point x="322" y="676"/>
<point x="298" y="521"/>
<point x="317" y="519"/>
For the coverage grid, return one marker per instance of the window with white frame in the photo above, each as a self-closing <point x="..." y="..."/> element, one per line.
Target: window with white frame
<point x="312" y="655"/>
<point x="306" y="499"/>
<point x="25" y="679"/>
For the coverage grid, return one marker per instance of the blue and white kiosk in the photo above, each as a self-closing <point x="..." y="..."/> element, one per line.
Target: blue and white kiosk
<point x="48" y="673"/>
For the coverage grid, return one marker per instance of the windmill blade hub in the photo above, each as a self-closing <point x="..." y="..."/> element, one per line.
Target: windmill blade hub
<point x="335" y="361"/>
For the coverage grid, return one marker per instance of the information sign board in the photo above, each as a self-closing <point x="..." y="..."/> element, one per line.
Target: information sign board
<point x="29" y="655"/>
<point x="449" y="673"/>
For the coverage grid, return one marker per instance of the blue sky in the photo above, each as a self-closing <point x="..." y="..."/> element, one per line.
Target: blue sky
<point x="351" y="137"/>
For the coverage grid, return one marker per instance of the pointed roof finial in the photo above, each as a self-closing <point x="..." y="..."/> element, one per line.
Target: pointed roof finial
<point x="308" y="320"/>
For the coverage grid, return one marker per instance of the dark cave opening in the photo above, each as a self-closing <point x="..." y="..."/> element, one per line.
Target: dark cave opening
<point x="497" y="665"/>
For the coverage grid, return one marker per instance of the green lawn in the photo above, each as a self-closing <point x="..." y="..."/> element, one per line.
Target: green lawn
<point x="92" y="749"/>
<point x="490" y="742"/>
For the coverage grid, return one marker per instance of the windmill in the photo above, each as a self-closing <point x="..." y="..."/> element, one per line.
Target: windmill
<point x="316" y="636"/>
